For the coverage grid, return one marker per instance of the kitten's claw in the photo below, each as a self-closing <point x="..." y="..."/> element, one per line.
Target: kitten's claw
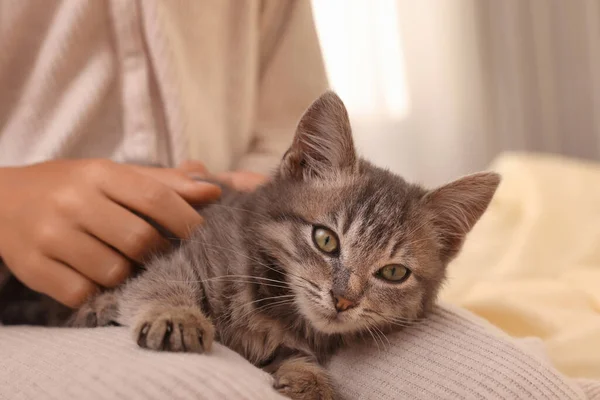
<point x="300" y="380"/>
<point x="174" y="329"/>
<point x="141" y="340"/>
<point x="101" y="310"/>
<point x="91" y="319"/>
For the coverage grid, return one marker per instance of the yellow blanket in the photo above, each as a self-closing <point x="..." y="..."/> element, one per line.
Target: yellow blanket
<point x="532" y="264"/>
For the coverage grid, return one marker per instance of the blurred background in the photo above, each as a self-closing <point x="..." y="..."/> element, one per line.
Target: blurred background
<point x="439" y="88"/>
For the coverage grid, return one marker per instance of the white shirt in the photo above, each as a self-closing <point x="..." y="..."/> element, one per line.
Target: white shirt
<point x="223" y="82"/>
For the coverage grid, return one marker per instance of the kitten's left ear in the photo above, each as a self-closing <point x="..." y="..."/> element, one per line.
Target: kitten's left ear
<point x="323" y="143"/>
<point x="457" y="206"/>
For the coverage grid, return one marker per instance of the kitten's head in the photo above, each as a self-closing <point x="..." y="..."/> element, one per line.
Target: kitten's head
<point x="359" y="245"/>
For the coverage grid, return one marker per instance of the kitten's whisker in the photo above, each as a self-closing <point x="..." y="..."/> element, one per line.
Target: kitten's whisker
<point x="232" y="281"/>
<point x="387" y="317"/>
<point x="286" y="273"/>
<point x="408" y="321"/>
<point x="362" y="336"/>
<point x="247" y="276"/>
<point x="267" y="298"/>
<point x="254" y="282"/>
<point x="262" y="308"/>
<point x="399" y="325"/>
<point x="228" y="279"/>
<point x="379" y="331"/>
<point x="373" y="336"/>
<point x="204" y="243"/>
<point x="257" y="277"/>
<point x="402" y="319"/>
<point x="402" y="322"/>
<point x="382" y="337"/>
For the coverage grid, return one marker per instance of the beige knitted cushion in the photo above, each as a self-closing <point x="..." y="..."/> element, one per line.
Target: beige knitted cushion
<point x="451" y="355"/>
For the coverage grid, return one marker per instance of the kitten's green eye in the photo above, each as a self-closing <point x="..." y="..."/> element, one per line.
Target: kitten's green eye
<point x="394" y="273"/>
<point x="326" y="240"/>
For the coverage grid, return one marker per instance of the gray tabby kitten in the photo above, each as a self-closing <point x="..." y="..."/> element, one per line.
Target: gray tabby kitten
<point x="328" y="251"/>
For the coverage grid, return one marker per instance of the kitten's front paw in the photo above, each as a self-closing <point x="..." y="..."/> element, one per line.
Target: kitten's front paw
<point x="101" y="310"/>
<point x="174" y="329"/>
<point x="301" y="380"/>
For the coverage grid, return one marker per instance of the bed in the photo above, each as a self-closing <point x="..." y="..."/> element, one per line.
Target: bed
<point x="531" y="266"/>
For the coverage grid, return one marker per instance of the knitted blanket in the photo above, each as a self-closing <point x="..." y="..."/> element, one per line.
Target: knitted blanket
<point x="450" y="355"/>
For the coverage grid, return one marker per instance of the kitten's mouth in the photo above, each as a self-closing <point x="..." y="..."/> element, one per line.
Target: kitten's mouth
<point x="332" y="322"/>
<point x="336" y="317"/>
<point x="325" y="319"/>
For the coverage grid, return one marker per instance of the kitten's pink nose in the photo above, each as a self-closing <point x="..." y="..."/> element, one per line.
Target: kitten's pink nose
<point x="341" y="303"/>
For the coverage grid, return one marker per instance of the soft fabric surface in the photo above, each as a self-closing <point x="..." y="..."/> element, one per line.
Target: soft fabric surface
<point x="450" y="355"/>
<point x="532" y="264"/>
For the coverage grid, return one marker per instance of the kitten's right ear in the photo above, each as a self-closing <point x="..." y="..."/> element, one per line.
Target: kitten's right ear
<point x="323" y="143"/>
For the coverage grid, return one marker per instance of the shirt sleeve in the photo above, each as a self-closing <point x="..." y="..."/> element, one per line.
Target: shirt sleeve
<point x="292" y="76"/>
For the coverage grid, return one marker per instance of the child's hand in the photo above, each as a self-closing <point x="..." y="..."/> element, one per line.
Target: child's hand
<point x="243" y="181"/>
<point x="66" y="226"/>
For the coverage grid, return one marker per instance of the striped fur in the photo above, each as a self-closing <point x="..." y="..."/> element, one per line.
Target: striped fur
<point x="253" y="277"/>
